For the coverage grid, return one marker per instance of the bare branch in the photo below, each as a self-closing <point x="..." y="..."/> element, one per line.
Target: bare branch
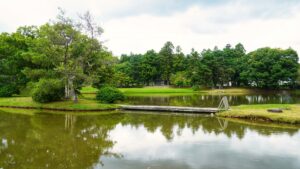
<point x="90" y="26"/>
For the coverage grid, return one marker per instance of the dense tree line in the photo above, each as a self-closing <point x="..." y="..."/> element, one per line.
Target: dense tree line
<point x="66" y="54"/>
<point x="231" y="66"/>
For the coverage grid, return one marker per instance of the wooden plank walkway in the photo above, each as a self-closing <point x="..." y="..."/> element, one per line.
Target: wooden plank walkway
<point x="224" y="105"/>
<point x="170" y="108"/>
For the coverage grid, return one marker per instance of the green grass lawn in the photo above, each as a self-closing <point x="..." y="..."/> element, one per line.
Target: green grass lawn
<point x="234" y="91"/>
<point x="88" y="89"/>
<point x="83" y="104"/>
<point x="170" y="90"/>
<point x="154" y="90"/>
<point x="291" y="113"/>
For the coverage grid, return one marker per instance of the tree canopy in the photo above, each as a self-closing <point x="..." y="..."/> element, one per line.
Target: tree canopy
<point x="64" y="49"/>
<point x="70" y="51"/>
<point x="267" y="68"/>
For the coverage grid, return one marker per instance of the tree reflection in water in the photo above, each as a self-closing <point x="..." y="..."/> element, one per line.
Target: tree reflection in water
<point x="54" y="141"/>
<point x="205" y="100"/>
<point x="81" y="141"/>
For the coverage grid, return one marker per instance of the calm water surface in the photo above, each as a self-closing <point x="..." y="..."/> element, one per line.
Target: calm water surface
<point x="143" y="141"/>
<point x="204" y="100"/>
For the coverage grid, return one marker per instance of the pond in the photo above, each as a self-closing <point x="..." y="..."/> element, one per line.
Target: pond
<point x="128" y="140"/>
<point x="206" y="100"/>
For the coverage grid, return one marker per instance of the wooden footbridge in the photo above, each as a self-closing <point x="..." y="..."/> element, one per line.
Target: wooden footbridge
<point x="224" y="105"/>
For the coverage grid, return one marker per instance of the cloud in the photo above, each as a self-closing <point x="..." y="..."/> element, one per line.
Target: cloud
<point x="204" y="149"/>
<point x="195" y="28"/>
<point x="139" y="25"/>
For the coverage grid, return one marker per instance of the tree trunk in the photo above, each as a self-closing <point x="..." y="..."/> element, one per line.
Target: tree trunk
<point x="67" y="87"/>
<point x="67" y="90"/>
<point x="75" y="99"/>
<point x="72" y="93"/>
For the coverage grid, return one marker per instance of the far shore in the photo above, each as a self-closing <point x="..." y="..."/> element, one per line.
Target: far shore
<point x="86" y="103"/>
<point x="187" y="90"/>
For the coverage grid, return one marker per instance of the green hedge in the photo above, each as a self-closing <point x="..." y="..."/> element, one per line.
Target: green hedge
<point x="7" y="91"/>
<point x="109" y="95"/>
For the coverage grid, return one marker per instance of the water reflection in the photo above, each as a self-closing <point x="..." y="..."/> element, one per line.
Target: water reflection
<point x="213" y="100"/>
<point x="53" y="141"/>
<point x="128" y="140"/>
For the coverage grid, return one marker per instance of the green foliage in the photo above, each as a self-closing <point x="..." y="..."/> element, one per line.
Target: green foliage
<point x="69" y="49"/>
<point x="109" y="94"/>
<point x="196" y="87"/>
<point x="121" y="79"/>
<point x="167" y="57"/>
<point x="103" y="71"/>
<point x="298" y="77"/>
<point x="194" y="67"/>
<point x="64" y="49"/>
<point x="228" y="67"/>
<point x="180" y="79"/>
<point x="12" y="47"/>
<point x="179" y="61"/>
<point x="221" y="67"/>
<point x="271" y="68"/>
<point x="149" y="67"/>
<point x="48" y="90"/>
<point x="7" y="91"/>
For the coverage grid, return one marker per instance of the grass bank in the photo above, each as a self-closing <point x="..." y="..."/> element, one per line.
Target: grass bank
<point x="156" y="90"/>
<point x="291" y="113"/>
<point x="82" y="105"/>
<point x="151" y="90"/>
<point x="170" y="90"/>
<point x="233" y="91"/>
<point x="42" y="111"/>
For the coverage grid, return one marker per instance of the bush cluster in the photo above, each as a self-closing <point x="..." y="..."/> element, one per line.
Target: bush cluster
<point x="196" y="88"/>
<point x="48" y="90"/>
<point x="7" y="91"/>
<point x="180" y="79"/>
<point x="109" y="94"/>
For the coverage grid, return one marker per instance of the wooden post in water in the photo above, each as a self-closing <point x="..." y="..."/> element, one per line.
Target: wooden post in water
<point x="224" y="105"/>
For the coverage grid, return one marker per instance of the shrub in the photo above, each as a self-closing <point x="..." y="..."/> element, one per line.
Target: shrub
<point x="48" y="90"/>
<point x="196" y="88"/>
<point x="109" y="95"/>
<point x="7" y="91"/>
<point x="180" y="79"/>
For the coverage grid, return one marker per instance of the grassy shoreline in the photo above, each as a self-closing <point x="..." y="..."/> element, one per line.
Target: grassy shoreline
<point x="170" y="90"/>
<point x="151" y="90"/>
<point x="82" y="105"/>
<point x="290" y="115"/>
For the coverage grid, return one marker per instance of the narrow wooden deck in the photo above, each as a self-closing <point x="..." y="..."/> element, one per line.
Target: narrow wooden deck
<point x="170" y="108"/>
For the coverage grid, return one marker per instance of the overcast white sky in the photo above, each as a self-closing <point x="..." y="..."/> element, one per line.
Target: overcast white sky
<point x="139" y="25"/>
